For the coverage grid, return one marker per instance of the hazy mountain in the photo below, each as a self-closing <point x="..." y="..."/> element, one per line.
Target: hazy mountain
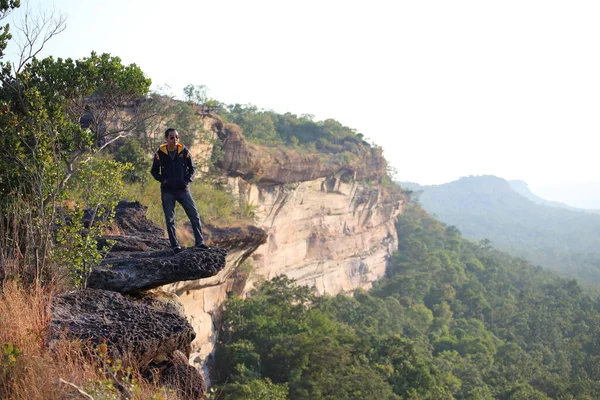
<point x="516" y="220"/>
<point x="578" y="195"/>
<point x="523" y="189"/>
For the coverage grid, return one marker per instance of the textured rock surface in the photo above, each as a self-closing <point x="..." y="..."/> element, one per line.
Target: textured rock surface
<point x="140" y="257"/>
<point x="275" y="165"/>
<point x="136" y="232"/>
<point x="127" y="325"/>
<point x="151" y="330"/>
<point x="333" y="235"/>
<point x="148" y="270"/>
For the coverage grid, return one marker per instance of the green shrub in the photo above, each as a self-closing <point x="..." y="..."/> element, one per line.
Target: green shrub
<point x="131" y="152"/>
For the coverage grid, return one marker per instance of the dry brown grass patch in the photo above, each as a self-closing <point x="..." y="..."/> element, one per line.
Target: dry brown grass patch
<point x="185" y="236"/>
<point x="29" y="369"/>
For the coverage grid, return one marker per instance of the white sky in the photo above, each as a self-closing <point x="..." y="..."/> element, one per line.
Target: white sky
<point x="447" y="88"/>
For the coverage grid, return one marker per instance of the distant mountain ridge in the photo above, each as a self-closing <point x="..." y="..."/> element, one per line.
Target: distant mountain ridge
<point x="523" y="189"/>
<point x="581" y="195"/>
<point x="517" y="221"/>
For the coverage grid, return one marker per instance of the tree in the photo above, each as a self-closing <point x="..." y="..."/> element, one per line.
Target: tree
<point x="131" y="152"/>
<point x="197" y="94"/>
<point x="55" y="116"/>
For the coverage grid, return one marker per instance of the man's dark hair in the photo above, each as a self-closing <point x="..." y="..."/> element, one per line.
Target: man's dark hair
<point x="169" y="130"/>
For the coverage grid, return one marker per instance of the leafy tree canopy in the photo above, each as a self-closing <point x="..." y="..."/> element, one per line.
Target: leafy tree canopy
<point x="452" y="320"/>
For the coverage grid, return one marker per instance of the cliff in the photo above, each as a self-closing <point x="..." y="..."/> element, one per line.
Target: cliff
<point x="328" y="224"/>
<point x="325" y="233"/>
<point x="278" y="165"/>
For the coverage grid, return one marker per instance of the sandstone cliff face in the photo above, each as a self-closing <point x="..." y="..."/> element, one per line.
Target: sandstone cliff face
<point x="202" y="299"/>
<point x="334" y="236"/>
<point x="325" y="228"/>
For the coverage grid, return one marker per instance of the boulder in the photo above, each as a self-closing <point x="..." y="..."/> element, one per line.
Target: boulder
<point x="140" y="257"/>
<point x="129" y="327"/>
<point x="150" y="331"/>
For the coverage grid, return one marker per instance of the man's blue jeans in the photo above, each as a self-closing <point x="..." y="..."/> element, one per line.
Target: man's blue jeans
<point x="187" y="202"/>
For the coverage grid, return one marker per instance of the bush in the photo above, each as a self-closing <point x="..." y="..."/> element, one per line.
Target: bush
<point x="131" y="152"/>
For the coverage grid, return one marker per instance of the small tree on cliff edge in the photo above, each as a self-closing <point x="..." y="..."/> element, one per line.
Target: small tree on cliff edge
<point x="43" y="142"/>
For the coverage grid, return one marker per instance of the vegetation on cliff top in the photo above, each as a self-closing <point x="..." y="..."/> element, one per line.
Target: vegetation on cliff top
<point x="333" y="142"/>
<point x="269" y="127"/>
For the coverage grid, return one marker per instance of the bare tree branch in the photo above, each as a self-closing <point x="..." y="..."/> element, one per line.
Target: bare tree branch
<point x="34" y="31"/>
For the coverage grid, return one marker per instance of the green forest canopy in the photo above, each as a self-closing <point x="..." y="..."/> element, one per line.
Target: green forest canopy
<point x="452" y="320"/>
<point x="269" y="127"/>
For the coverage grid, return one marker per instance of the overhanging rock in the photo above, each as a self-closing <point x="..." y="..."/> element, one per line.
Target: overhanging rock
<point x="133" y="272"/>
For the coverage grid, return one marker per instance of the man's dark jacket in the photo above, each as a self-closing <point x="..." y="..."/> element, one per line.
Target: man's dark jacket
<point x="173" y="174"/>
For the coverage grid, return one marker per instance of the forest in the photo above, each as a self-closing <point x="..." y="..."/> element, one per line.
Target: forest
<point x="452" y="320"/>
<point x="487" y="207"/>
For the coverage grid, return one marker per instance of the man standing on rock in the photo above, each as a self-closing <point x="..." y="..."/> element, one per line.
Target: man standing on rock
<point x="174" y="169"/>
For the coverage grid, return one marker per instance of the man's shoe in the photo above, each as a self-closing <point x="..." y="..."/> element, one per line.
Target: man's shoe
<point x="201" y="246"/>
<point x="176" y="249"/>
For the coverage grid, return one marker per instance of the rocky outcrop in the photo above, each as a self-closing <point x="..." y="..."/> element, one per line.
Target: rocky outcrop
<point x="148" y="327"/>
<point x="151" y="332"/>
<point x="131" y="327"/>
<point x="140" y="258"/>
<point x="276" y="165"/>
<point x="132" y="272"/>
<point x="333" y="235"/>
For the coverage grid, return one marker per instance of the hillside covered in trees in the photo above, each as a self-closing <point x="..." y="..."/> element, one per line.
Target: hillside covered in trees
<point x="487" y="207"/>
<point x="452" y="320"/>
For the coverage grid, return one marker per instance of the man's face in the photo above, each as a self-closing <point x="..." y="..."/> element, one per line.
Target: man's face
<point x="173" y="137"/>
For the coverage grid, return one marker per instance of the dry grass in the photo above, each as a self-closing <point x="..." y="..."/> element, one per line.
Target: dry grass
<point x="113" y="229"/>
<point x="185" y="236"/>
<point x="29" y="370"/>
<point x="216" y="206"/>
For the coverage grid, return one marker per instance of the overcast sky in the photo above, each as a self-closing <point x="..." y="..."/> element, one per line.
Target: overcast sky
<point x="447" y="88"/>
